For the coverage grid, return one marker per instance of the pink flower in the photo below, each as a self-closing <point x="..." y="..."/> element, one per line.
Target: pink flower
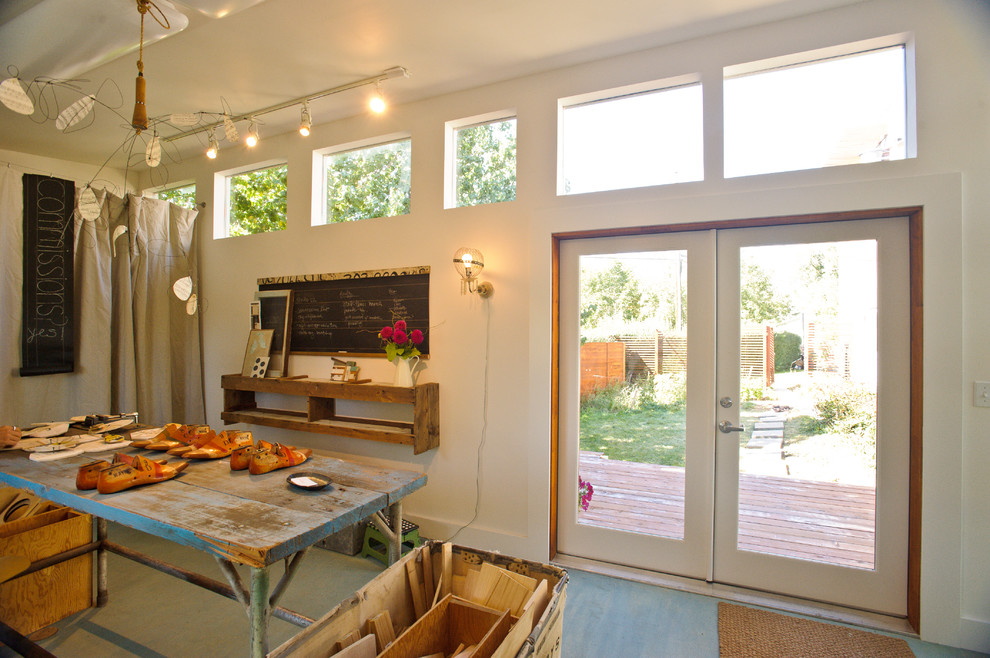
<point x="416" y="336"/>
<point x="400" y="326"/>
<point x="399" y="336"/>
<point x="385" y="333"/>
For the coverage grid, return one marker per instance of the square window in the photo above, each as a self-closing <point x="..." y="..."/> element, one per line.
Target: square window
<point x="255" y="201"/>
<point x="631" y="137"/>
<point x="182" y="195"/>
<point x="366" y="182"/>
<point x="483" y="163"/>
<point x="819" y="111"/>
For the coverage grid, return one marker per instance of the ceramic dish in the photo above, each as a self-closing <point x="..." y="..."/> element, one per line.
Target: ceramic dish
<point x="308" y="480"/>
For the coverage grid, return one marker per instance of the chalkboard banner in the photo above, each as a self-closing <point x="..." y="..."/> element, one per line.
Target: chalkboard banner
<point x="344" y="311"/>
<point x="46" y="323"/>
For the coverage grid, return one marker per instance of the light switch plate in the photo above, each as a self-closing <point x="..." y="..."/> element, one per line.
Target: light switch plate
<point x="981" y="394"/>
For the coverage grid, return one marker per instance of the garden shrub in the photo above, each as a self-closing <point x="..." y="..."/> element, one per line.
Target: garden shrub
<point x="786" y="350"/>
<point x="670" y="390"/>
<point x="751" y="388"/>
<point x="850" y="409"/>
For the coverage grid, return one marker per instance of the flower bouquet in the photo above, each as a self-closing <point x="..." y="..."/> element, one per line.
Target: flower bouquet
<point x="398" y="343"/>
<point x="585" y="492"/>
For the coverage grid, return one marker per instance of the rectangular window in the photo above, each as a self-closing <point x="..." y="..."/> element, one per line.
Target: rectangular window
<point x="630" y="137"/>
<point x="824" y="110"/>
<point x="481" y="155"/>
<point x="366" y="182"/>
<point x="182" y="195"/>
<point x="255" y="201"/>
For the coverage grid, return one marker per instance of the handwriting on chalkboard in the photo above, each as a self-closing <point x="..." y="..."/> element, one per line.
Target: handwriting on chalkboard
<point x="47" y="327"/>
<point x="344" y="312"/>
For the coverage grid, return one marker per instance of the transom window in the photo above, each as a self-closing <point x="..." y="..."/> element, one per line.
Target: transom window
<point x="824" y="110"/>
<point x="254" y="201"/>
<point x="635" y="136"/>
<point x="365" y="182"/>
<point x="481" y="160"/>
<point x="180" y="195"/>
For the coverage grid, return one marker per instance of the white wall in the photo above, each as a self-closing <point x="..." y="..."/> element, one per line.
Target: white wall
<point x="949" y="177"/>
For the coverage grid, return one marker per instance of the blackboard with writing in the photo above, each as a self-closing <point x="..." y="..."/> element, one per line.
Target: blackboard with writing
<point x="344" y="312"/>
<point x="46" y="324"/>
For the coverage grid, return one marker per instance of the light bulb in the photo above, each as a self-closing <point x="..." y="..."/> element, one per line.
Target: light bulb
<point x="213" y="148"/>
<point x="377" y="102"/>
<point x="305" y="121"/>
<point x="252" y="137"/>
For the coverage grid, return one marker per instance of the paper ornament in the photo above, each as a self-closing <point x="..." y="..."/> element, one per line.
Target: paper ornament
<point x="192" y="304"/>
<point x="89" y="206"/>
<point x="229" y="129"/>
<point x="183" y="288"/>
<point x="153" y="152"/>
<point x="184" y="119"/>
<point x="12" y="95"/>
<point x="75" y="113"/>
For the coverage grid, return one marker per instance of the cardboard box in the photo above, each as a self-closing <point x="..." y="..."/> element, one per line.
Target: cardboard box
<point x="536" y="632"/>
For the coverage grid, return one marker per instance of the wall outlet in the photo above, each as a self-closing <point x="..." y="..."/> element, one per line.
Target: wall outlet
<point x="981" y="394"/>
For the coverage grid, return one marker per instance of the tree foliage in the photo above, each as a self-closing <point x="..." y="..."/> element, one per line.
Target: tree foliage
<point x="486" y="163"/>
<point x="614" y="293"/>
<point x="369" y="182"/>
<point x="759" y="301"/>
<point x="258" y="201"/>
<point x="184" y="196"/>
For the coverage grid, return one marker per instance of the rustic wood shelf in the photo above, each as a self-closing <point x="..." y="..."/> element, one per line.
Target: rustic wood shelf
<point x="423" y="433"/>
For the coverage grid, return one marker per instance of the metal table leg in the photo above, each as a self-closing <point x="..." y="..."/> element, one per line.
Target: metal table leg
<point x="259" y="611"/>
<point x="102" y="594"/>
<point x="395" y="520"/>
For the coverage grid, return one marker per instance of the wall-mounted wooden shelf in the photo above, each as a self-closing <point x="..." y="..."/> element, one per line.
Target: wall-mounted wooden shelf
<point x="423" y="433"/>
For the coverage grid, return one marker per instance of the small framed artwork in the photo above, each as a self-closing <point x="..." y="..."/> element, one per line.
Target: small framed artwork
<point x="275" y="313"/>
<point x="257" y="353"/>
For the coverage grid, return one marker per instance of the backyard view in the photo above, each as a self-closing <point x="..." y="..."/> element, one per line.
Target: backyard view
<point x="807" y="395"/>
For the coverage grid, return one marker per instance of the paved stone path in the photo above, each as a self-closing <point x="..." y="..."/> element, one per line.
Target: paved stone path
<point x="764" y="452"/>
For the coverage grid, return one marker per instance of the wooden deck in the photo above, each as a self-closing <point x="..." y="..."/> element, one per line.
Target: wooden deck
<point x="820" y="521"/>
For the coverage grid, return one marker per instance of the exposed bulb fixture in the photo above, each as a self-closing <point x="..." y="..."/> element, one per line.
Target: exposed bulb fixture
<point x="252" y="136"/>
<point x="469" y="263"/>
<point x="305" y="120"/>
<point x="213" y="148"/>
<point x="377" y="102"/>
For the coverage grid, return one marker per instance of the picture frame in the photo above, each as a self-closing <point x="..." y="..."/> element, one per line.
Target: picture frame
<point x="257" y="353"/>
<point x="275" y="313"/>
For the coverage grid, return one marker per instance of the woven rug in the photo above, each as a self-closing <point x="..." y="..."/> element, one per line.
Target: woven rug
<point x="751" y="633"/>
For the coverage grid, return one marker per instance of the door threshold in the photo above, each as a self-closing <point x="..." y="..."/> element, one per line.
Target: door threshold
<point x="824" y="611"/>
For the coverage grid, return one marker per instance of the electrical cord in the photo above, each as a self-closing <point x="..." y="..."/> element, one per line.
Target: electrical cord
<point x="484" y="426"/>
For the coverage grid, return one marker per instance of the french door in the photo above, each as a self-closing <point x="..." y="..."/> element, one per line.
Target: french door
<point x="737" y="399"/>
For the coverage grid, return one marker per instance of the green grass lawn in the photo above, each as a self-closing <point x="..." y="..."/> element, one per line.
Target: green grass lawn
<point x="647" y="436"/>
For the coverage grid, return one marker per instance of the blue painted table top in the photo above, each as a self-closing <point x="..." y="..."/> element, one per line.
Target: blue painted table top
<point x="249" y="519"/>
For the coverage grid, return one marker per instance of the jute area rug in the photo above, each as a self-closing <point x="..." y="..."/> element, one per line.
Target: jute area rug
<point x="751" y="633"/>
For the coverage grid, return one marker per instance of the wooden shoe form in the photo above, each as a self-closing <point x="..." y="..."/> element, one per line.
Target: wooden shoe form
<point x="279" y="456"/>
<point x="161" y="436"/>
<point x="141" y="471"/>
<point x="221" y="445"/>
<point x="198" y="441"/>
<point x="240" y="458"/>
<point x="88" y="474"/>
<point x="178" y="436"/>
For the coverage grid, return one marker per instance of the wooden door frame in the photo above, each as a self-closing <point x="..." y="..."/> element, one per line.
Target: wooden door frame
<point x="914" y="215"/>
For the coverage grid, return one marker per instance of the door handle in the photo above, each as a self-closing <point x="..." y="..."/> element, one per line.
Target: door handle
<point x="725" y="427"/>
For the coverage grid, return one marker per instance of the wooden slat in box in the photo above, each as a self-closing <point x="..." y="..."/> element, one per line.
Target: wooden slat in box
<point x="30" y="602"/>
<point x="390" y="591"/>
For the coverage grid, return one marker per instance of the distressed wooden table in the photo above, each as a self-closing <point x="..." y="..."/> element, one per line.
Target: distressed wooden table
<point x="254" y="520"/>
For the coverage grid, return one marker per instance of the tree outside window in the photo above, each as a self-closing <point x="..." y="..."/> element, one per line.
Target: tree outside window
<point x="184" y="196"/>
<point x="485" y="167"/>
<point x="368" y="182"/>
<point x="257" y="201"/>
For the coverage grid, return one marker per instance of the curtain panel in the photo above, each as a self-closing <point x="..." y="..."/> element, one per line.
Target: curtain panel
<point x="136" y="347"/>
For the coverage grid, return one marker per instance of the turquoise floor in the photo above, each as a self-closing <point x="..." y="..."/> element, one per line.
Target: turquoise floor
<point x="154" y="615"/>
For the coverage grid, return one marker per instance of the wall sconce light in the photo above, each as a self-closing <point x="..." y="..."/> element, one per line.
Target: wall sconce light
<point x="305" y="120"/>
<point x="469" y="263"/>
<point x="213" y="148"/>
<point x="252" y="137"/>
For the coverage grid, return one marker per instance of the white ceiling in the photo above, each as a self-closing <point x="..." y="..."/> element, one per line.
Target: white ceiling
<point x="277" y="50"/>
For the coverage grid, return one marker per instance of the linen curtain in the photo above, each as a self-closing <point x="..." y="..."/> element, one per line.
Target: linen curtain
<point x="136" y="348"/>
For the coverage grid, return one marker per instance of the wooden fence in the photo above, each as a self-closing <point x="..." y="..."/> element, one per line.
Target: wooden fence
<point x="633" y="357"/>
